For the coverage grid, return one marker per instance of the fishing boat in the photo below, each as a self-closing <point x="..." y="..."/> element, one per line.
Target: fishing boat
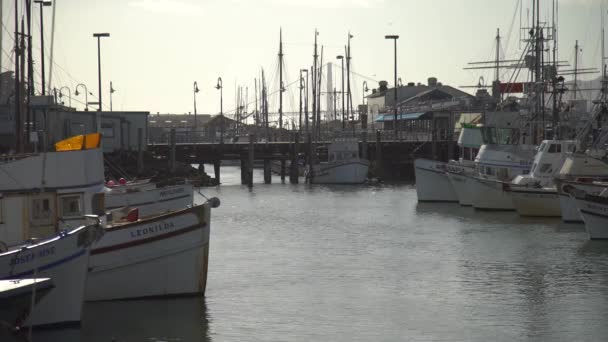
<point x="42" y="194"/>
<point x="459" y="171"/>
<point x="344" y="165"/>
<point x="535" y="194"/>
<point x="432" y="182"/>
<point x="160" y="255"/>
<point x="594" y="210"/>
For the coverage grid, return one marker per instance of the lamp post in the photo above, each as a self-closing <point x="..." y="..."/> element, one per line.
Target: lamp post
<point x="365" y="90"/>
<point x="99" y="36"/>
<point x="341" y="58"/>
<point x="394" y="38"/>
<point x="112" y="90"/>
<point x="194" y="91"/>
<point x="220" y="87"/>
<point x="86" y="95"/>
<point x="42" y="4"/>
<point x="69" y="94"/>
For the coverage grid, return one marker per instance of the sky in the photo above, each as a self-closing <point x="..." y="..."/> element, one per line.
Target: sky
<point x="159" y="48"/>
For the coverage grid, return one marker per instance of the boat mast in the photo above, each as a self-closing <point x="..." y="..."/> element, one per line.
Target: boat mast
<point x="556" y="128"/>
<point x="319" y="96"/>
<point x="576" y="47"/>
<point x="30" y="70"/>
<point x="281" y="79"/>
<point x="314" y="86"/>
<point x="52" y="47"/>
<point x="18" y="133"/>
<point x="349" y="101"/>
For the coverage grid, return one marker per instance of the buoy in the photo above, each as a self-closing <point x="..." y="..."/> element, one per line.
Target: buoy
<point x="110" y="183"/>
<point x="122" y="181"/>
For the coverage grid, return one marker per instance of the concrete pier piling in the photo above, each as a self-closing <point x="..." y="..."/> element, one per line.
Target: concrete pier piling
<point x="250" y="161"/>
<point x="267" y="172"/>
<point x="216" y="170"/>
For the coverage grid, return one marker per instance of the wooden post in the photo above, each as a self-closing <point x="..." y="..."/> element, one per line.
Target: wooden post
<point x="364" y="145"/>
<point x="267" y="172"/>
<point x="172" y="157"/>
<point x="294" y="167"/>
<point x="251" y="158"/>
<point x="379" y="170"/>
<point x="310" y="158"/>
<point x="216" y="170"/>
<point x="283" y="167"/>
<point x="140" y="151"/>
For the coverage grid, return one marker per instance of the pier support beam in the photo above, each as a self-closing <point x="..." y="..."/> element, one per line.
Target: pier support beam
<point x="267" y="172"/>
<point x="379" y="170"/>
<point x="216" y="170"/>
<point x="250" y="162"/>
<point x="283" y="168"/>
<point x="294" y="166"/>
<point x="172" y="153"/>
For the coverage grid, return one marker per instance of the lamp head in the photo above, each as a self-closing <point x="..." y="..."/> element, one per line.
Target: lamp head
<point x="76" y="93"/>
<point x="391" y="37"/>
<point x="340" y="57"/>
<point x="101" y="35"/>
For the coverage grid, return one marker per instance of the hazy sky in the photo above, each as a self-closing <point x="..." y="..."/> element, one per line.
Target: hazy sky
<point x="158" y="48"/>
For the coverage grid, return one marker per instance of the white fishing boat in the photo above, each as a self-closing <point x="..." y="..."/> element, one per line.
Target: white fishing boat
<point x="151" y="200"/>
<point x="344" y="165"/>
<point x="41" y="195"/>
<point x="432" y="182"/>
<point x="535" y="194"/>
<point x="500" y="160"/>
<point x="162" y="255"/>
<point x="458" y="172"/>
<point x="594" y="210"/>
<point x="579" y="171"/>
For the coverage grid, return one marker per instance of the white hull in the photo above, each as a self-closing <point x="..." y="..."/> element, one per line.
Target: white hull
<point x="568" y="206"/>
<point x="152" y="201"/>
<point x="349" y="172"/>
<point x="489" y="195"/>
<point x="461" y="186"/>
<point x="432" y="183"/>
<point x="161" y="256"/>
<point x="595" y="216"/>
<point x="536" y="202"/>
<point x="65" y="260"/>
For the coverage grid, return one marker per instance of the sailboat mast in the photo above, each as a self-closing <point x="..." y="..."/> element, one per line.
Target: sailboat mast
<point x="54" y="4"/>
<point x="281" y="79"/>
<point x="18" y="133"/>
<point x="497" y="75"/>
<point x="348" y="97"/>
<point x="575" y="69"/>
<point x="556" y="128"/>
<point x="319" y="96"/>
<point x="314" y="86"/>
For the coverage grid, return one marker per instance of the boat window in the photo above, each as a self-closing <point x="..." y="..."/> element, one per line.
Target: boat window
<point x="489" y="171"/>
<point x="545" y="168"/>
<point x="502" y="173"/>
<point x="332" y="157"/>
<point x="555" y="148"/>
<point x="41" y="209"/>
<point x="98" y="206"/>
<point x="571" y="147"/>
<point x="71" y="205"/>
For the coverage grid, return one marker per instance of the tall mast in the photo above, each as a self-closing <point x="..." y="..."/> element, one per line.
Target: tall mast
<point x="348" y="96"/>
<point x="497" y="75"/>
<point x="281" y="79"/>
<point x="556" y="128"/>
<point x="319" y="95"/>
<point x="575" y="69"/>
<point x="1" y="33"/>
<point x="300" y="117"/>
<point x="314" y="86"/>
<point x="52" y="47"/>
<point x="18" y="120"/>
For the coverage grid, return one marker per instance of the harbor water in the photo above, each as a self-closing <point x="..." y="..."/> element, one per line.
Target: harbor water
<point x="368" y="263"/>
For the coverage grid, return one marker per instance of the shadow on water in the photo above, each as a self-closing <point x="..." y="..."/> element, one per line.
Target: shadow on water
<point x="176" y="319"/>
<point x="594" y="248"/>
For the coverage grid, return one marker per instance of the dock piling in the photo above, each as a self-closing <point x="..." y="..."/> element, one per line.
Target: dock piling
<point x="216" y="170"/>
<point x="250" y="163"/>
<point x="267" y="172"/>
<point x="379" y="171"/>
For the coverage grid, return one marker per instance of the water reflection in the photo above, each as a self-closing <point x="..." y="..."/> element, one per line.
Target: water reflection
<point x="179" y="319"/>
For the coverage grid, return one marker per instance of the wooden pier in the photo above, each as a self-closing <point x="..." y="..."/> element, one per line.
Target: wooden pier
<point x="391" y="159"/>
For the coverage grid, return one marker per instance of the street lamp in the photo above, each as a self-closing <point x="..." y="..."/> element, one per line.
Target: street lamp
<point x="365" y="90"/>
<point x="341" y="58"/>
<point x="42" y="4"/>
<point x="86" y="95"/>
<point x="220" y="87"/>
<point x="99" y="36"/>
<point x="69" y="94"/>
<point x="194" y="91"/>
<point x="394" y="38"/>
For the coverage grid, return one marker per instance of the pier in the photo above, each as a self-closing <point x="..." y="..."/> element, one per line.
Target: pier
<point x="391" y="158"/>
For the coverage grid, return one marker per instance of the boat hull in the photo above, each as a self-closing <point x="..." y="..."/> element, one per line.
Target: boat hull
<point x="461" y="186"/>
<point x="489" y="195"/>
<point x="162" y="256"/>
<point x="535" y="202"/>
<point x="432" y="182"/>
<point x="65" y="260"/>
<point x="350" y="172"/>
<point x="568" y="206"/>
<point x="595" y="216"/>
<point x="152" y="201"/>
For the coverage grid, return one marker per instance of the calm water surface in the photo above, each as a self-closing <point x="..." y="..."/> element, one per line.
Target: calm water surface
<point x="368" y="263"/>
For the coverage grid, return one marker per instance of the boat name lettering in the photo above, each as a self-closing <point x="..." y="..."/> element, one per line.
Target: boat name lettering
<point x="25" y="258"/>
<point x="152" y="229"/>
<point x="171" y="192"/>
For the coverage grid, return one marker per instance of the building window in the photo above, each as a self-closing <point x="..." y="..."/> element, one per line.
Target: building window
<point x="71" y="205"/>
